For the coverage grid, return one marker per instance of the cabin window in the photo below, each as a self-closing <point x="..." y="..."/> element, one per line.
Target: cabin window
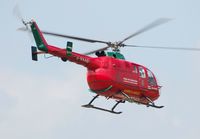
<point x="151" y="79"/>
<point x="142" y="72"/>
<point x="134" y="69"/>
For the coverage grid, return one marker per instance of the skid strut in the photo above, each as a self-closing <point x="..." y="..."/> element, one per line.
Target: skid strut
<point x="89" y="105"/>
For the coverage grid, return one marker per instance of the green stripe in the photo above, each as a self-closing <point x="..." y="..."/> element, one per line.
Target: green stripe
<point x="101" y="91"/>
<point x="69" y="48"/>
<point x="40" y="44"/>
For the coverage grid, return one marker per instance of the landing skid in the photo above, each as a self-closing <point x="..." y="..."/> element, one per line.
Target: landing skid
<point x="154" y="106"/>
<point x="99" y="108"/>
<point x="89" y="105"/>
<point x="149" y="104"/>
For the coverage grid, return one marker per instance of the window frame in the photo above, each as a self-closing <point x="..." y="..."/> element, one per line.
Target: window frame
<point x="151" y="78"/>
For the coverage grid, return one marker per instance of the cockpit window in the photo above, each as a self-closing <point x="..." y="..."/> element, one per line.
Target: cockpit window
<point x="142" y="72"/>
<point x="151" y="79"/>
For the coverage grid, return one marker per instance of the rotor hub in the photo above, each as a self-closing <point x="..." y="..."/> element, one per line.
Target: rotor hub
<point x="115" y="46"/>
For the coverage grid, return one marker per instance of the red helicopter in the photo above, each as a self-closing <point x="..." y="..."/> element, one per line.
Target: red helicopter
<point x="108" y="74"/>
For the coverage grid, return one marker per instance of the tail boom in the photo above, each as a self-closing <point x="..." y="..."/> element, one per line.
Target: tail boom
<point x="43" y="46"/>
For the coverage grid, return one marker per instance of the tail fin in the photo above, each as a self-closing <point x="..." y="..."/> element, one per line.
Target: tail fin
<point x="39" y="38"/>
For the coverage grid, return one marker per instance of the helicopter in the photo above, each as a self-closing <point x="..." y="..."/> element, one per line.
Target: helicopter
<point x="109" y="74"/>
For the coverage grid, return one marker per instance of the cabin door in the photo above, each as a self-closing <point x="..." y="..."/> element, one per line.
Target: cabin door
<point x="142" y="77"/>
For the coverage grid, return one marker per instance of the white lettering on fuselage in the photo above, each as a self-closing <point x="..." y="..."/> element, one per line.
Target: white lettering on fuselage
<point x="132" y="81"/>
<point x="85" y="60"/>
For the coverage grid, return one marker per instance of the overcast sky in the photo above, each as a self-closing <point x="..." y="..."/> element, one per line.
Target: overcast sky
<point x="42" y="100"/>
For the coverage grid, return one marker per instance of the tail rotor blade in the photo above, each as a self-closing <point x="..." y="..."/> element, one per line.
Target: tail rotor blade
<point x="18" y="15"/>
<point x="22" y="29"/>
<point x="17" y="12"/>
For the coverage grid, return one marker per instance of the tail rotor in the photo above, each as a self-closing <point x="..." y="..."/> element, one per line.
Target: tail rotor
<point x="18" y="15"/>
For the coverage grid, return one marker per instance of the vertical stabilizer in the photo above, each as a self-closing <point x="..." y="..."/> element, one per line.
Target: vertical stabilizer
<point x="39" y="38"/>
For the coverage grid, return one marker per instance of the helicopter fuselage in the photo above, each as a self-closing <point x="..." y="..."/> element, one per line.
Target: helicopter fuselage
<point x="108" y="75"/>
<point x="123" y="80"/>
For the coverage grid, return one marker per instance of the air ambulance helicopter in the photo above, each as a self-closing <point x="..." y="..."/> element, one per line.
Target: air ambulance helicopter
<point x="109" y="74"/>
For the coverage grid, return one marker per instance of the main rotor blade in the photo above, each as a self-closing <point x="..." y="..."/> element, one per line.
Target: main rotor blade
<point x="152" y="25"/>
<point x="170" y="48"/>
<point x="94" y="51"/>
<point x="67" y="36"/>
<point x="74" y="37"/>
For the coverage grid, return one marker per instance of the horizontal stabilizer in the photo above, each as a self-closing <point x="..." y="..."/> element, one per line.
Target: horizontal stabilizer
<point x="34" y="53"/>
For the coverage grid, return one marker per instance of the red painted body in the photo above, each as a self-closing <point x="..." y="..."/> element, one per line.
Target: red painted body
<point x="126" y="78"/>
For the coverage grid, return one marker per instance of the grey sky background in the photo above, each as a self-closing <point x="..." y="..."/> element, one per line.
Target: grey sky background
<point x="41" y="100"/>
